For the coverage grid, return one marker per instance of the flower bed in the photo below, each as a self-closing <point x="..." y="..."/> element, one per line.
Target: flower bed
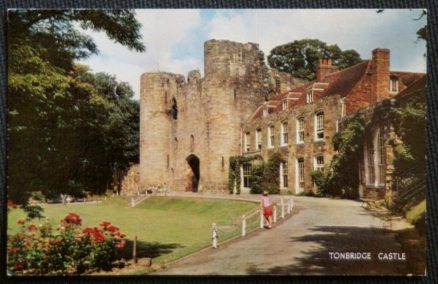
<point x="70" y="249"/>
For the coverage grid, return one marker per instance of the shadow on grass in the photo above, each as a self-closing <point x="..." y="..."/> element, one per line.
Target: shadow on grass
<point x="147" y="249"/>
<point x="315" y="247"/>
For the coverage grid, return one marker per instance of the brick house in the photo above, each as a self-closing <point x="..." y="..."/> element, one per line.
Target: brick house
<point x="300" y="123"/>
<point x="376" y="166"/>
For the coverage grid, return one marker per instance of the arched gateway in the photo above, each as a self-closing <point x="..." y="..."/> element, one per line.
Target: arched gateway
<point x="193" y="174"/>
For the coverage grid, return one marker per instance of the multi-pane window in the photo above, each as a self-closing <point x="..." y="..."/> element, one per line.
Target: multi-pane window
<point x="246" y="174"/>
<point x="381" y="158"/>
<point x="258" y="138"/>
<point x="271" y="136"/>
<point x="393" y="85"/>
<point x="370" y="163"/>
<point x="319" y="163"/>
<point x="300" y="163"/>
<point x="284" y="104"/>
<point x="246" y="142"/>
<point x="284" y="135"/>
<point x="319" y="126"/>
<point x="309" y="96"/>
<point x="284" y="177"/>
<point x="300" y="130"/>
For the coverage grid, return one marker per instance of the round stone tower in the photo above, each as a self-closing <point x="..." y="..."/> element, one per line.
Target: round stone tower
<point x="158" y="110"/>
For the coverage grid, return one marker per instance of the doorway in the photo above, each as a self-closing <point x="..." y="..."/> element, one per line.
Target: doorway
<point x="194" y="174"/>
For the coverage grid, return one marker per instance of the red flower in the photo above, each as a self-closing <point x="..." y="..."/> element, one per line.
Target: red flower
<point x="121" y="244"/>
<point x="31" y="227"/>
<point x="112" y="229"/>
<point x="11" y="204"/>
<point x="97" y="234"/>
<point x="122" y="235"/>
<point x="21" y="221"/>
<point x="73" y="218"/>
<point x="105" y="224"/>
<point x="18" y="266"/>
<point x="27" y="244"/>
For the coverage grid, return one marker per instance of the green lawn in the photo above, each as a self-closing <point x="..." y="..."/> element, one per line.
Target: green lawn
<point x="167" y="228"/>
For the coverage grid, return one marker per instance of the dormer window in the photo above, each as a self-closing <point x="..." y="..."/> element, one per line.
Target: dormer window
<point x="393" y="85"/>
<point x="309" y="96"/>
<point x="284" y="104"/>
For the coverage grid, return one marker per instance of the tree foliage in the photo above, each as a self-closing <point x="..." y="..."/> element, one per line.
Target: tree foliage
<point x="301" y="57"/>
<point x="65" y="124"/>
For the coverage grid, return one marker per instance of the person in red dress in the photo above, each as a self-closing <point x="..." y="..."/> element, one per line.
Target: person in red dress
<point x="265" y="204"/>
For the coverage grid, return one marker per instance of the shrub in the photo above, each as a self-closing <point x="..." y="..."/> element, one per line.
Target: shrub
<point x="71" y="250"/>
<point x="271" y="174"/>
<point x="256" y="178"/>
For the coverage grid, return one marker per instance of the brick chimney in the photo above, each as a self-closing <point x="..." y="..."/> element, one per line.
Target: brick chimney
<point x="380" y="74"/>
<point x="325" y="68"/>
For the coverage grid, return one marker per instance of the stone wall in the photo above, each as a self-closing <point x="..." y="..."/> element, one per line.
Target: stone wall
<point x="211" y="113"/>
<point x="308" y="150"/>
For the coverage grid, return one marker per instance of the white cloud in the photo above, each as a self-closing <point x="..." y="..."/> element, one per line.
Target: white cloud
<point x="162" y="32"/>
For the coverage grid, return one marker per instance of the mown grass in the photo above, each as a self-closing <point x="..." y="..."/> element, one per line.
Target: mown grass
<point x="166" y="228"/>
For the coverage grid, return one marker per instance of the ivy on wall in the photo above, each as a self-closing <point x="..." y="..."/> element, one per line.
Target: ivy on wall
<point x="234" y="172"/>
<point x="341" y="179"/>
<point x="264" y="176"/>
<point x="271" y="173"/>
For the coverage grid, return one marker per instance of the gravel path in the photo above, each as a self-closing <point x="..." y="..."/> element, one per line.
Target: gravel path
<point x="302" y="243"/>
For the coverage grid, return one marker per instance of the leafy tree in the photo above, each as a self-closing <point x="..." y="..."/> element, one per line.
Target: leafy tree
<point x="57" y="119"/>
<point x="301" y="57"/>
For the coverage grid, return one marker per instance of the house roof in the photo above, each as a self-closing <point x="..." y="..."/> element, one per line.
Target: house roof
<point x="418" y="85"/>
<point x="340" y="83"/>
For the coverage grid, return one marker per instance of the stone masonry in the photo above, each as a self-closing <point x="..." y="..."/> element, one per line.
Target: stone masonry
<point x="190" y="128"/>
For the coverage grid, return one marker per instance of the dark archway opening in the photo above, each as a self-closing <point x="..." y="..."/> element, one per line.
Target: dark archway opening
<point x="194" y="175"/>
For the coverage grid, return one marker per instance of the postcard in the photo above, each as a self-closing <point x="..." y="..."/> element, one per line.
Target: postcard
<point x="216" y="142"/>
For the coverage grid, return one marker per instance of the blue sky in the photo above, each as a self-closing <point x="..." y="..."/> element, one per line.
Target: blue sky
<point x="174" y="38"/>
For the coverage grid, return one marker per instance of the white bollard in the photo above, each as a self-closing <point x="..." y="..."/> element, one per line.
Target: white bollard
<point x="214" y="235"/>
<point x="282" y="208"/>
<point x="275" y="214"/>
<point x="243" y="227"/>
<point x="261" y="218"/>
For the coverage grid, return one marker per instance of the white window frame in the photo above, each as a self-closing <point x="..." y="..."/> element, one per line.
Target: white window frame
<point x="316" y="165"/>
<point x="300" y="129"/>
<point x="309" y="96"/>
<point x="284" y="138"/>
<point x="299" y="175"/>
<point x="271" y="136"/>
<point x="284" y="104"/>
<point x="246" y="141"/>
<point x="374" y="153"/>
<point x="258" y="139"/>
<point x="393" y="85"/>
<point x="284" y="176"/>
<point x="319" y="126"/>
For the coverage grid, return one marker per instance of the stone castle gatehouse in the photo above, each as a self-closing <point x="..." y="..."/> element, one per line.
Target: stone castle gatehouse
<point x="190" y="128"/>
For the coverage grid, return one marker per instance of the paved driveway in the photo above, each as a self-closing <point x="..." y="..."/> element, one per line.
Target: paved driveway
<point x="302" y="243"/>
